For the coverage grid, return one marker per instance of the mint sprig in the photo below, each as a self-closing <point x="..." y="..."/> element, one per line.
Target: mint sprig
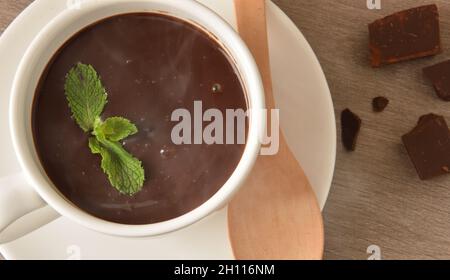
<point x="87" y="98"/>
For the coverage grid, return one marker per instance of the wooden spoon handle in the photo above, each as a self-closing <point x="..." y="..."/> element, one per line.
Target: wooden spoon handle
<point x="251" y="14"/>
<point x="276" y="214"/>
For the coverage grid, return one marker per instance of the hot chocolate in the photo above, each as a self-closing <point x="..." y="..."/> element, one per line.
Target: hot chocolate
<point x="150" y="65"/>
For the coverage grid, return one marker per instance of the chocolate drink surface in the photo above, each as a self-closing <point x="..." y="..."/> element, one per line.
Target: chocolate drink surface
<point x="150" y="65"/>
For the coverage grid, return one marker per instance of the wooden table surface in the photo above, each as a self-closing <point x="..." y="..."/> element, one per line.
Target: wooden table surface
<point x="376" y="196"/>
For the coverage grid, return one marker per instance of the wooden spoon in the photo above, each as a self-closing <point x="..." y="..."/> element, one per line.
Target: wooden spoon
<point x="276" y="214"/>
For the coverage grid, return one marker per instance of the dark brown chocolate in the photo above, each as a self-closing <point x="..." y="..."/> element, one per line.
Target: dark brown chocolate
<point x="151" y="65"/>
<point x="428" y="146"/>
<point x="439" y="75"/>
<point x="405" y="35"/>
<point x="426" y="118"/>
<point x="380" y="103"/>
<point x="351" y="124"/>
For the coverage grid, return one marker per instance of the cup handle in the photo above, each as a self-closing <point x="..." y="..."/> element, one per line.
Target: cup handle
<point x="21" y="209"/>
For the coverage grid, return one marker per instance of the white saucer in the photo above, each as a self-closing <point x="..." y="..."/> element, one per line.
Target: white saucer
<point x="307" y="118"/>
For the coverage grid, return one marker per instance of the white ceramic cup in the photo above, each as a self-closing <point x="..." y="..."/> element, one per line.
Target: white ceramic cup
<point x="63" y="27"/>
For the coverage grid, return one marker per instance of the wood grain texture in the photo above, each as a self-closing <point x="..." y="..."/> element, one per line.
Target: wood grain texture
<point x="376" y="197"/>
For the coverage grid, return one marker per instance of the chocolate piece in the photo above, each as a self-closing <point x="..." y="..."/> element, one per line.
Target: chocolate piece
<point x="405" y="35"/>
<point x="351" y="124"/>
<point x="426" y="118"/>
<point x="428" y="146"/>
<point x="380" y="103"/>
<point x="439" y="75"/>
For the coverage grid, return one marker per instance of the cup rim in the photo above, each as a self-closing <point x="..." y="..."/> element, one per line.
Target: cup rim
<point x="251" y="80"/>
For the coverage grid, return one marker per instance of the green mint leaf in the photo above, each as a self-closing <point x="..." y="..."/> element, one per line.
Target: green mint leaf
<point x="87" y="98"/>
<point x="85" y="94"/>
<point x="125" y="172"/>
<point x="115" y="128"/>
<point x="95" y="145"/>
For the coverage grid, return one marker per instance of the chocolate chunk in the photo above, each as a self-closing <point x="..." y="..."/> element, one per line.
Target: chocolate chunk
<point x="428" y="146"/>
<point x="380" y="103"/>
<point x="351" y="124"/>
<point x="439" y="75"/>
<point x="426" y="118"/>
<point x="405" y="35"/>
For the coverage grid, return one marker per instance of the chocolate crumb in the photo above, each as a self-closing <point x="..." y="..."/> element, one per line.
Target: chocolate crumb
<point x="379" y="104"/>
<point x="351" y="125"/>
